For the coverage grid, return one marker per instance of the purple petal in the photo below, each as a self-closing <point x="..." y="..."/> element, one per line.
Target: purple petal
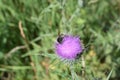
<point x="69" y="48"/>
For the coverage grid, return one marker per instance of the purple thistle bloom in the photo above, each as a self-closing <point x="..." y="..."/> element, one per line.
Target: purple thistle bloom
<point x="68" y="47"/>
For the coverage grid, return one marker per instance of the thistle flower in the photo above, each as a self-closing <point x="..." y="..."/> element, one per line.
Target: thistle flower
<point x="68" y="47"/>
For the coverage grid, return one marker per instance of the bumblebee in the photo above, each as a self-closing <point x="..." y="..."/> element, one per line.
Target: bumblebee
<point x="60" y="38"/>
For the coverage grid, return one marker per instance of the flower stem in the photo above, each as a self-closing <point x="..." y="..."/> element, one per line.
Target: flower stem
<point x="83" y="67"/>
<point x="72" y="72"/>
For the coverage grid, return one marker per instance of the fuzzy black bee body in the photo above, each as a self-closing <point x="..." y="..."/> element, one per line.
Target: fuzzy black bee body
<point x="60" y="38"/>
<point x="78" y="56"/>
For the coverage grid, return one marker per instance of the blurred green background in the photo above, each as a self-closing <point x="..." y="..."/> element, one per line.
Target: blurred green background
<point x="28" y="32"/>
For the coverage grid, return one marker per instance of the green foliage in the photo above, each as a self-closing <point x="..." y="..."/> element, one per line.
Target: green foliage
<point x="97" y="22"/>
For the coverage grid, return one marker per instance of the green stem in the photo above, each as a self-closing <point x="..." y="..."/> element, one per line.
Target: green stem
<point x="72" y="72"/>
